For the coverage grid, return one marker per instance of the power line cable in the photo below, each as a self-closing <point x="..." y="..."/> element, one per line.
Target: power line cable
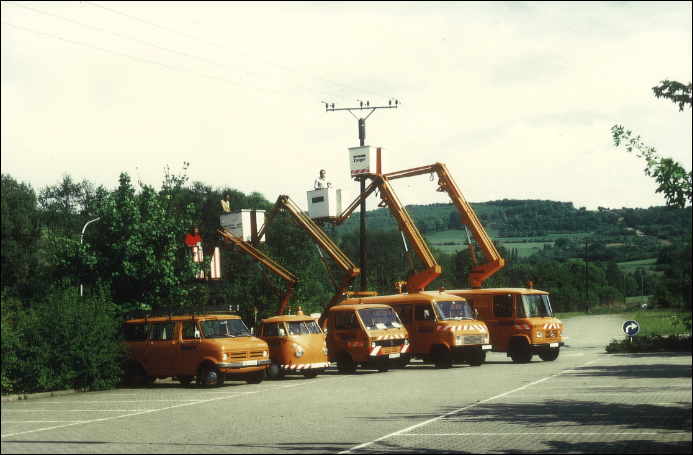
<point x="160" y="64"/>
<point x="180" y="53"/>
<point x="235" y="52"/>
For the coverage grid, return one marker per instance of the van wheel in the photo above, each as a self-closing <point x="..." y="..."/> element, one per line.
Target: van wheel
<point x="255" y="377"/>
<point x="185" y="380"/>
<point x="275" y="371"/>
<point x="345" y="364"/>
<point x="550" y="355"/>
<point x="211" y="376"/>
<point x="520" y="352"/>
<point x="442" y="358"/>
<point x="402" y="363"/>
<point x="477" y="359"/>
<point x="137" y="376"/>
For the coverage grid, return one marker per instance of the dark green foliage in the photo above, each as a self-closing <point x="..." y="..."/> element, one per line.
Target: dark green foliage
<point x="64" y="342"/>
<point x="653" y="343"/>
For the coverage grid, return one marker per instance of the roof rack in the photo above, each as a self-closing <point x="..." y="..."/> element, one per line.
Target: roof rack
<point x="192" y="312"/>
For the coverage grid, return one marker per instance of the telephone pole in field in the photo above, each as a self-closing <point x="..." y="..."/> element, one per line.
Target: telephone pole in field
<point x="362" y="179"/>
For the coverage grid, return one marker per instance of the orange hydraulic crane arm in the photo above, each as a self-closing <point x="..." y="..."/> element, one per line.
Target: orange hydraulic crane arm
<point x="479" y="273"/>
<point x="405" y="224"/>
<point x="244" y="247"/>
<point x="303" y="221"/>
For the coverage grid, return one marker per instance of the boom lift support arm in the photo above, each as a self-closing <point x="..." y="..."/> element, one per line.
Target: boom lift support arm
<point x="479" y="273"/>
<point x="244" y="247"/>
<point x="417" y="282"/>
<point x="289" y="208"/>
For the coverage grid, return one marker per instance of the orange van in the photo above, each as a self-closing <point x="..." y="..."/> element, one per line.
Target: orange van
<point x="368" y="335"/>
<point x="442" y="328"/>
<point x="520" y="321"/>
<point x="213" y="348"/>
<point x="296" y="345"/>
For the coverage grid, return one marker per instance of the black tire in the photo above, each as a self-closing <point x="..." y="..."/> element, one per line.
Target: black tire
<point x="520" y="352"/>
<point x="345" y="364"/>
<point x="210" y="376"/>
<point x="477" y="359"/>
<point x="402" y="363"/>
<point x="274" y="371"/>
<point x="185" y="380"/>
<point x="310" y="374"/>
<point x="550" y="355"/>
<point x="442" y="358"/>
<point x="256" y="377"/>
<point x="383" y="368"/>
<point x="137" y="376"/>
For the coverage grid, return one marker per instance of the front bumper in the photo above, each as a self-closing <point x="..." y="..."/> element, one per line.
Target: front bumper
<point x="244" y="364"/>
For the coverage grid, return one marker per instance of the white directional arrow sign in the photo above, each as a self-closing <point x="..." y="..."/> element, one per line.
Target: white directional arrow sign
<point x="631" y="328"/>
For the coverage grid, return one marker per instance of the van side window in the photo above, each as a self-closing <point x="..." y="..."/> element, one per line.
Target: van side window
<point x="503" y="306"/>
<point x="135" y="332"/>
<point x="162" y="332"/>
<point x="423" y="312"/>
<point x="345" y="321"/>
<point x="404" y="312"/>
<point x="190" y="331"/>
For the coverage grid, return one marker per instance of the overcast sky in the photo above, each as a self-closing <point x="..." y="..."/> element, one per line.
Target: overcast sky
<point x="517" y="99"/>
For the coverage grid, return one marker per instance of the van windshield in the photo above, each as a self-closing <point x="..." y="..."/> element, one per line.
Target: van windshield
<point x="224" y="328"/>
<point x="534" y="306"/>
<point x="303" y="328"/>
<point x="453" y="311"/>
<point x="379" y="318"/>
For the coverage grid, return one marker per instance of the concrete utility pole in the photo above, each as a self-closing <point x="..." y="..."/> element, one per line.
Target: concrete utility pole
<point x="362" y="179"/>
<point x="587" y="281"/>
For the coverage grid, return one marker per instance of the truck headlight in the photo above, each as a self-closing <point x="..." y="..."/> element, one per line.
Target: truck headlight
<point x="264" y="353"/>
<point x="224" y="356"/>
<point x="406" y="342"/>
<point x="325" y="351"/>
<point x="373" y="344"/>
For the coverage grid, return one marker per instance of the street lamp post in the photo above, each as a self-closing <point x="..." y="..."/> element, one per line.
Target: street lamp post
<point x="81" y="241"/>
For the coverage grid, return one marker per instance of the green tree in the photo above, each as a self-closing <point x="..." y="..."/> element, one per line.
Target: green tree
<point x="673" y="179"/>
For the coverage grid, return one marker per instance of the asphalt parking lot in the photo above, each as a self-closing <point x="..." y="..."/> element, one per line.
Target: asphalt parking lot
<point x="586" y="401"/>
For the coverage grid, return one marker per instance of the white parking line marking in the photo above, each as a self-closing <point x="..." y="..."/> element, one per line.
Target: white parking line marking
<point x="130" y="414"/>
<point x="596" y="433"/>
<point x="435" y="419"/>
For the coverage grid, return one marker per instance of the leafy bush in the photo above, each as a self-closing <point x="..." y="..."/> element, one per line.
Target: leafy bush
<point x="652" y="343"/>
<point x="65" y="342"/>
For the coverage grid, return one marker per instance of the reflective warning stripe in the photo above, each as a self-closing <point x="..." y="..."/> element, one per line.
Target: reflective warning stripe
<point x="355" y="344"/>
<point x="522" y="327"/>
<point x="390" y="337"/>
<point x="305" y="366"/>
<point x="360" y="171"/>
<point x="552" y="326"/>
<point x="452" y="328"/>
<point x="405" y="348"/>
<point x="375" y="350"/>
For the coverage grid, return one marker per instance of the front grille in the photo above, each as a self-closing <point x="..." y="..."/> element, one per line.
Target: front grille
<point x="473" y="339"/>
<point x="256" y="354"/>
<point x="238" y="355"/>
<point x="390" y="350"/>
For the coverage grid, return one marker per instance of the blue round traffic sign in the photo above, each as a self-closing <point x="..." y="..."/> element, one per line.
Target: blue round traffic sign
<point x="631" y="328"/>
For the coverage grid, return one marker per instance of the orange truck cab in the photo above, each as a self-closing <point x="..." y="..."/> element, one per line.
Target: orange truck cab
<point x="520" y="321"/>
<point x="296" y="345"/>
<point x="368" y="335"/>
<point x="211" y="348"/>
<point x="442" y="327"/>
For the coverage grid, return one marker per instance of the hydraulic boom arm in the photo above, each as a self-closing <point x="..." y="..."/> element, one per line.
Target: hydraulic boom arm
<point x="232" y="240"/>
<point x="478" y="273"/>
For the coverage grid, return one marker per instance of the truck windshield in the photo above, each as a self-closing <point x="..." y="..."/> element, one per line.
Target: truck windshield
<point x="303" y="328"/>
<point x="453" y="311"/>
<point x="224" y="328"/>
<point x="379" y="318"/>
<point x="534" y="306"/>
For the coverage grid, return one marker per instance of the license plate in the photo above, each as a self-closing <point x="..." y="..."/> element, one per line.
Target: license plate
<point x="249" y="362"/>
<point x="394" y="356"/>
<point x="553" y="345"/>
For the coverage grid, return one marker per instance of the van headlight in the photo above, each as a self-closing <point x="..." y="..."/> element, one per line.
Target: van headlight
<point x="298" y="352"/>
<point x="224" y="356"/>
<point x="325" y="351"/>
<point x="264" y="353"/>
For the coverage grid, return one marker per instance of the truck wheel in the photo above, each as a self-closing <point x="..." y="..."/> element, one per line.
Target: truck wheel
<point x="275" y="370"/>
<point x="255" y="377"/>
<point x="520" y="352"/>
<point x="442" y="358"/>
<point x="477" y="359"/>
<point x="550" y="355"/>
<point x="345" y="364"/>
<point x="137" y="376"/>
<point x="211" y="376"/>
<point x="402" y="363"/>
